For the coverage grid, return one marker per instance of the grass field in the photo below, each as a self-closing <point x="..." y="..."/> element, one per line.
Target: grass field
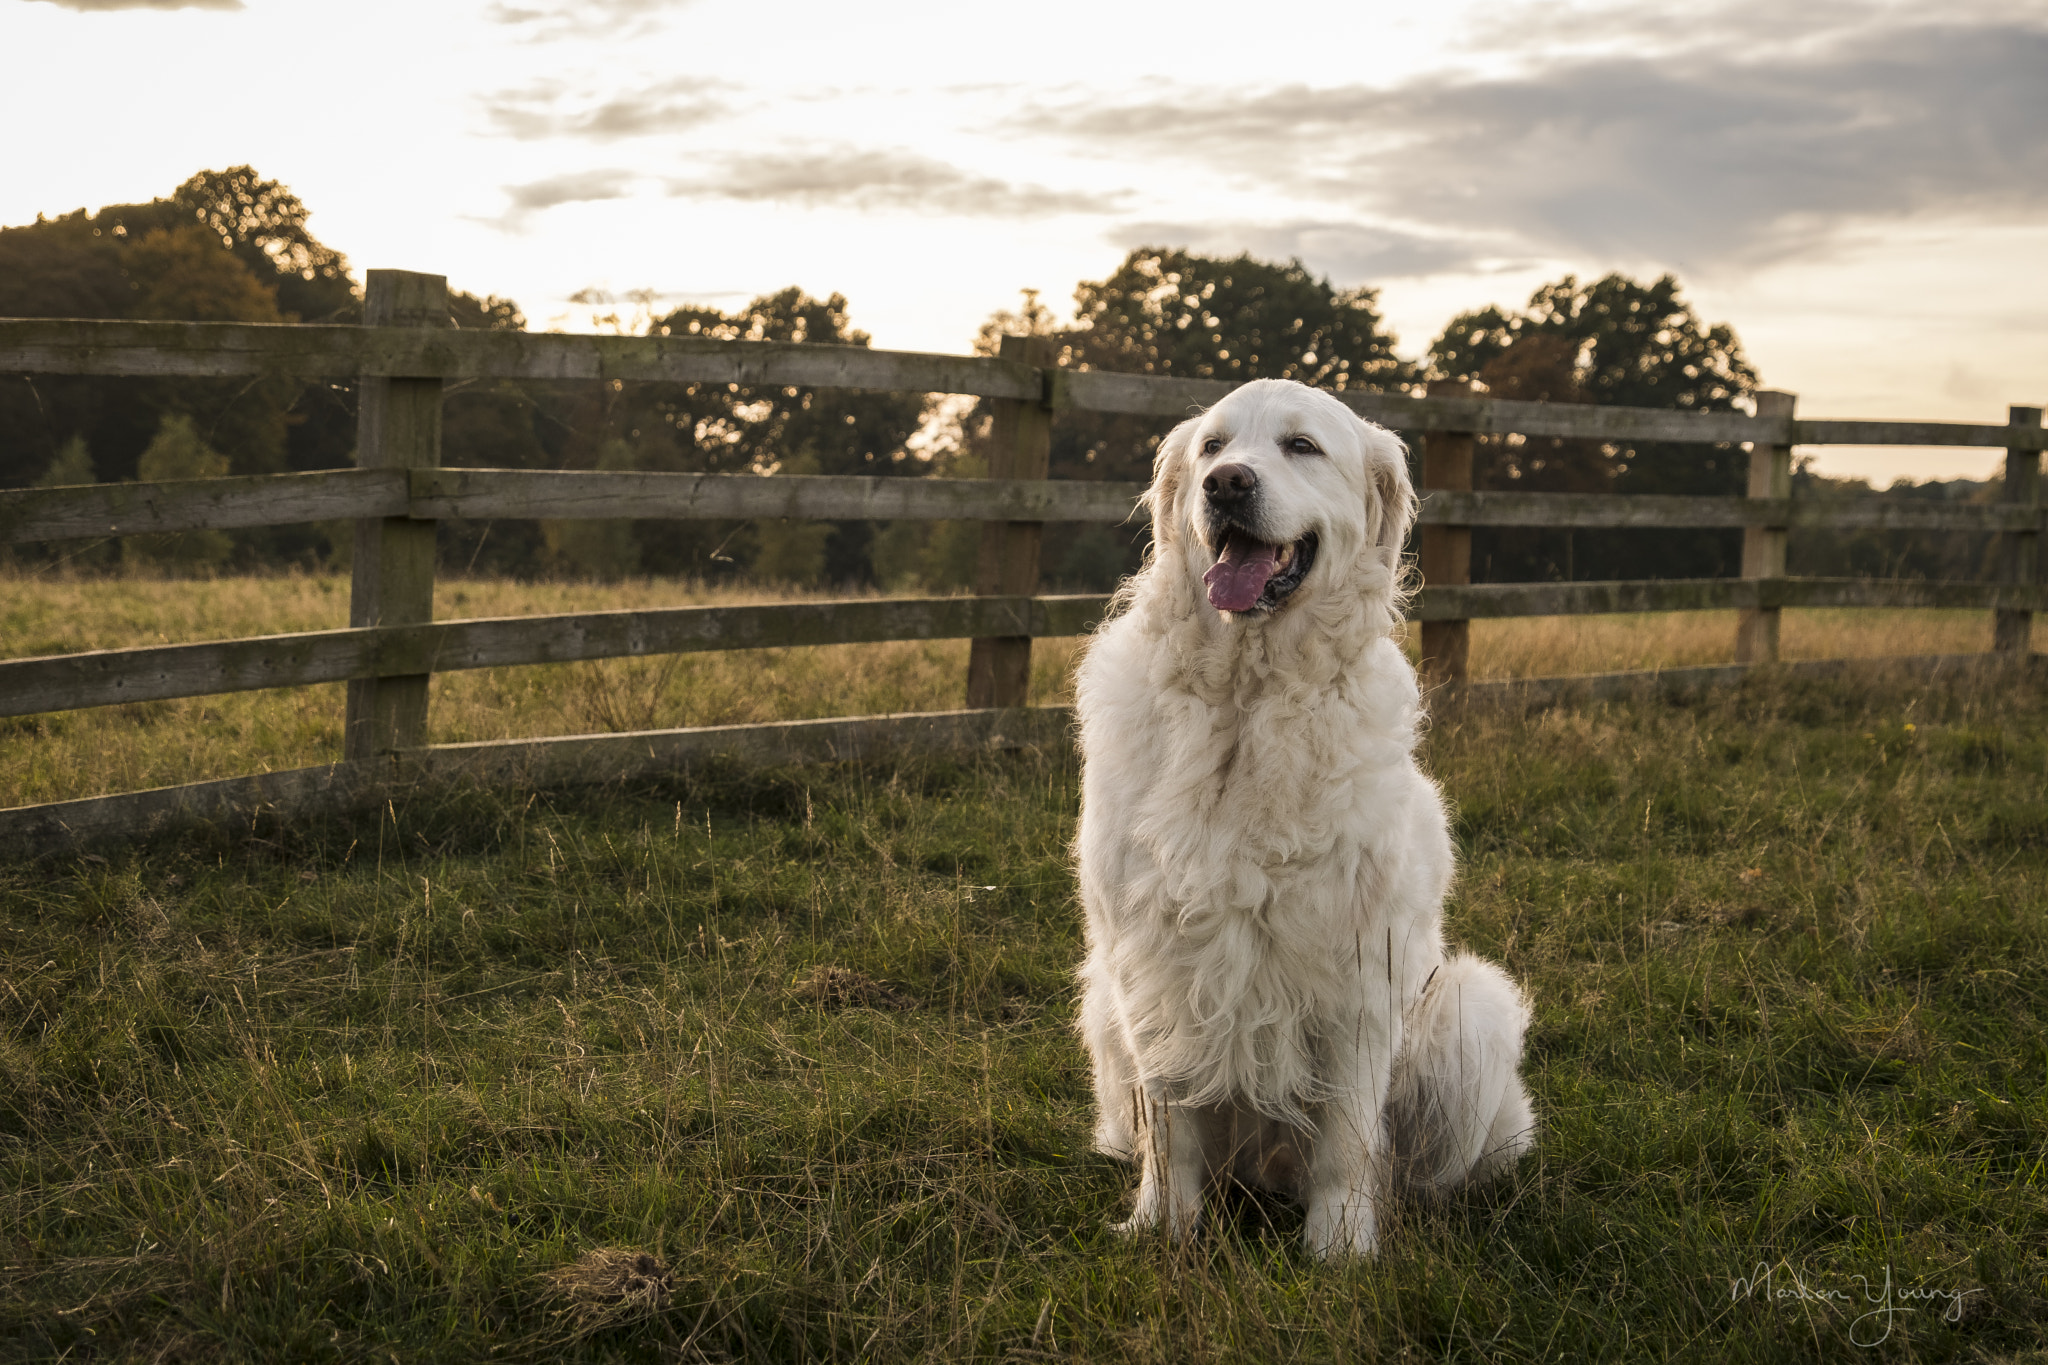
<point x="87" y="753"/>
<point x="425" y="1085"/>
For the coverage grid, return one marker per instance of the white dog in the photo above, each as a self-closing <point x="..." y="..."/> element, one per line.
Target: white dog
<point x="1267" y="992"/>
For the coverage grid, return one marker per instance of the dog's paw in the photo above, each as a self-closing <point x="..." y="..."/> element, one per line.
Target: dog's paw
<point x="1149" y="1217"/>
<point x="1339" y="1228"/>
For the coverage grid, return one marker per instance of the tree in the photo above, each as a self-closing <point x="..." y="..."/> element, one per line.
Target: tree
<point x="718" y="427"/>
<point x="264" y="224"/>
<point x="601" y="549"/>
<point x="224" y="246"/>
<point x="71" y="468"/>
<point x="1639" y="346"/>
<point x="185" y="274"/>
<point x="1618" y="342"/>
<point x="1169" y="311"/>
<point x="179" y="452"/>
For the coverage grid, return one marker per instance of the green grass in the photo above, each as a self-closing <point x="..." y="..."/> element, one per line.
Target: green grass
<point x="369" y="1090"/>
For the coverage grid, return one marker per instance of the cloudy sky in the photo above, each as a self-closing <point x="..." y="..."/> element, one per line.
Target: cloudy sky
<point x="1861" y="189"/>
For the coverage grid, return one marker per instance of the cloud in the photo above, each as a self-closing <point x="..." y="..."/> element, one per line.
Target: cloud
<point x="547" y="109"/>
<point x="582" y="18"/>
<point x="1711" y="155"/>
<point x="102" y="6"/>
<point x="883" y="180"/>
<point x="1347" y="252"/>
<point x="573" y="187"/>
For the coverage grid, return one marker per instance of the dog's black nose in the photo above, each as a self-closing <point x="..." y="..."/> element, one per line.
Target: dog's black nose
<point x="1228" y="485"/>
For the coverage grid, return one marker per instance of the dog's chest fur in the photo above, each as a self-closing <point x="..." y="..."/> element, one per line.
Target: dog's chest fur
<point x="1259" y="859"/>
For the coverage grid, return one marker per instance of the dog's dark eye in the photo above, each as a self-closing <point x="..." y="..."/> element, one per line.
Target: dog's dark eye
<point x="1213" y="446"/>
<point x="1300" y="445"/>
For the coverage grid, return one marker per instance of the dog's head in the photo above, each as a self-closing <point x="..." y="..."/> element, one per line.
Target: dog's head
<point x="1280" y="492"/>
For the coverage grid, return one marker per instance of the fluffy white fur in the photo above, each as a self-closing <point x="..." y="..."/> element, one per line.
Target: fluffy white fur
<point x="1267" y="992"/>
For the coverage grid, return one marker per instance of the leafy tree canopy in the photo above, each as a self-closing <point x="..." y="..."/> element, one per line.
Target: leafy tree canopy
<point x="1168" y="311"/>
<point x="184" y="273"/>
<point x="1617" y="342"/>
<point x="264" y="224"/>
<point x="224" y="246"/>
<point x="1636" y="345"/>
<point x="827" y="431"/>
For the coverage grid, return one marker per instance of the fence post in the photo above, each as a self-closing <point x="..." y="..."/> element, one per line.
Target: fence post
<point x="1444" y="553"/>
<point x="1020" y="447"/>
<point x="398" y="426"/>
<point x="1763" y="547"/>
<point x="2019" y="551"/>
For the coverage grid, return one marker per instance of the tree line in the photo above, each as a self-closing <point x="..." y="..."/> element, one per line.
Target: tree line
<point x="233" y="246"/>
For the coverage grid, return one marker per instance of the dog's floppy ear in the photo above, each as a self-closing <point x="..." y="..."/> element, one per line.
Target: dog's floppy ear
<point x="1163" y="497"/>
<point x="1392" y="507"/>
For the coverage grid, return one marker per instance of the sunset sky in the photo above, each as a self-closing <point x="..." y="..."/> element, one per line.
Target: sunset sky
<point x="1861" y="190"/>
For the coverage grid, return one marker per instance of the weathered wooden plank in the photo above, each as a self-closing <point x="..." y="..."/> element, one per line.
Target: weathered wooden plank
<point x="1763" y="542"/>
<point x="1485" y="601"/>
<point x="2019" y="550"/>
<point x="196" y="349"/>
<point x="108" y="677"/>
<point x="1149" y="395"/>
<point x="1443" y="551"/>
<point x="1543" y="693"/>
<point x="1019" y="447"/>
<point x="29" y="514"/>
<point x="1500" y="416"/>
<point x="126" y="509"/>
<point x="2013" y="436"/>
<point x="563" y="761"/>
<point x="1902" y="515"/>
<point x="1894" y="592"/>
<point x="484" y="493"/>
<point x="344" y="787"/>
<point x="1496" y="600"/>
<point x="1649" y="510"/>
<point x="1142" y="395"/>
<point x="307" y="351"/>
<point x="1441" y="507"/>
<point x="391" y="575"/>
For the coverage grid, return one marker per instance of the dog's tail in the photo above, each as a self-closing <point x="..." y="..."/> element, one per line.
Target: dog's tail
<point x="1458" y="1111"/>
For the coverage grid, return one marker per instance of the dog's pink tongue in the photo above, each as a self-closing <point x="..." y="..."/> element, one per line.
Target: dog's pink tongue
<point x="1240" y="575"/>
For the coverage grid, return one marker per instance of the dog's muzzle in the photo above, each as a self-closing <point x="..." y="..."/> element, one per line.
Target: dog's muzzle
<point x="1251" y="573"/>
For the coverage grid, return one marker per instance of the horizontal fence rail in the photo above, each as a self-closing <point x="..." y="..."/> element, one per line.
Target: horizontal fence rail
<point x="128" y="509"/>
<point x="195" y="350"/>
<point x="159" y="672"/>
<point x="400" y="360"/>
<point x="1584" y="511"/>
<point x="303" y="351"/>
<point x="479" y="493"/>
<point x="125" y="509"/>
<point x="162" y="672"/>
<point x="341" y="788"/>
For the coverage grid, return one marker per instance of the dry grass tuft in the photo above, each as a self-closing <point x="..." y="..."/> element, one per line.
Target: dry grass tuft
<point x="838" y="988"/>
<point x="607" y="1284"/>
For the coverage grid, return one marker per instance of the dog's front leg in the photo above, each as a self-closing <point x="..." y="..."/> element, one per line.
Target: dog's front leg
<point x="1347" y="1172"/>
<point x="1171" y="1163"/>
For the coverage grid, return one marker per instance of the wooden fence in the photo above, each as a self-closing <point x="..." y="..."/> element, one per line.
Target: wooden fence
<point x="405" y="352"/>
